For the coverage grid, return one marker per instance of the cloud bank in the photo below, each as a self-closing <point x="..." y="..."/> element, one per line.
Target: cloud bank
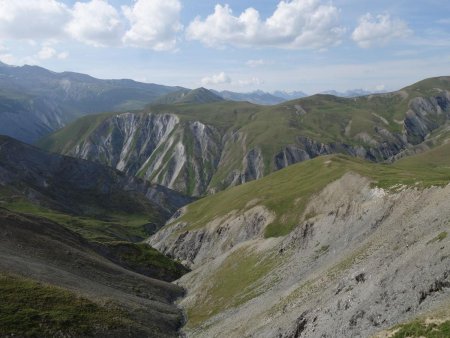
<point x="297" y="24"/>
<point x="151" y="24"/>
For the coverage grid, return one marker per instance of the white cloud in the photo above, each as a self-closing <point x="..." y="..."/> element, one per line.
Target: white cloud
<point x="150" y="24"/>
<point x="294" y="24"/>
<point x="48" y="52"/>
<point x="32" y="19"/>
<point x="154" y="24"/>
<point x="63" y="55"/>
<point x="7" y="58"/>
<point x="95" y="23"/>
<point x="255" y="63"/>
<point x="254" y="81"/>
<point x="379" y="30"/>
<point x="216" y="79"/>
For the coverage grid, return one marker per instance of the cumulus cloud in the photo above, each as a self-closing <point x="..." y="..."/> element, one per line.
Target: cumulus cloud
<point x="216" y="79"/>
<point x="154" y="24"/>
<point x="294" y="24"/>
<point x="379" y="30"/>
<point x="95" y="23"/>
<point x="32" y="19"/>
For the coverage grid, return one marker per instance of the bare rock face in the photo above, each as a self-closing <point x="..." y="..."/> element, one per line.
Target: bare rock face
<point x="157" y="147"/>
<point x="363" y="260"/>
<point x="196" y="246"/>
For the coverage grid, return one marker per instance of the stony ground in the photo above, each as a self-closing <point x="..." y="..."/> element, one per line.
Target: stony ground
<point x="364" y="260"/>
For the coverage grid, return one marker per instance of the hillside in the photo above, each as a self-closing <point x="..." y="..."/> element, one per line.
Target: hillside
<point x="70" y="263"/>
<point x="95" y="200"/>
<point x="54" y="283"/>
<point x="188" y="96"/>
<point x="331" y="247"/>
<point x="35" y="101"/>
<point x="203" y="148"/>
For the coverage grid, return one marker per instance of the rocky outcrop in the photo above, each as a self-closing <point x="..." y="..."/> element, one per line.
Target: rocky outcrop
<point x="363" y="260"/>
<point x="156" y="147"/>
<point x="253" y="166"/>
<point x="194" y="247"/>
<point x="425" y="115"/>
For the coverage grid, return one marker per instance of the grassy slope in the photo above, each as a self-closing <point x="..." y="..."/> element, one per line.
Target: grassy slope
<point x="66" y="138"/>
<point x="238" y="280"/>
<point x="327" y="119"/>
<point x="246" y="272"/>
<point x="287" y="191"/>
<point x="33" y="309"/>
<point x="422" y="329"/>
<point x="142" y="258"/>
<point x="116" y="226"/>
<point x="116" y="236"/>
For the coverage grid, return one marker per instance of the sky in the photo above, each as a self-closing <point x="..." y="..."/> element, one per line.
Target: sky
<point x="239" y="45"/>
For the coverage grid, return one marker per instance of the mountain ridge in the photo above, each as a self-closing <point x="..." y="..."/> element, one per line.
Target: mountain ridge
<point x="204" y="148"/>
<point x="35" y="101"/>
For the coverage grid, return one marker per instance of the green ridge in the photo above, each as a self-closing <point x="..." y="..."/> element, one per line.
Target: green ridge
<point x="288" y="191"/>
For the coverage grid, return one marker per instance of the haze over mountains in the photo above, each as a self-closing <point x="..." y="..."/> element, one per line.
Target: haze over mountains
<point x="36" y="101"/>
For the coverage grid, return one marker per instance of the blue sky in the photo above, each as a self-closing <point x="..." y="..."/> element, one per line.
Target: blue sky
<point x="307" y="45"/>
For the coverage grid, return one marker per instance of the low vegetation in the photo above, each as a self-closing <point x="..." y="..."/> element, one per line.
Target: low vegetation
<point x="439" y="238"/>
<point x="32" y="309"/>
<point x="419" y="328"/>
<point x="288" y="191"/>
<point x="142" y="258"/>
<point x="239" y="279"/>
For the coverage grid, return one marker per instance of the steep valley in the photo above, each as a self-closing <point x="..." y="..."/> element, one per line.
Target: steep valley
<point x="70" y="261"/>
<point x="203" y="148"/>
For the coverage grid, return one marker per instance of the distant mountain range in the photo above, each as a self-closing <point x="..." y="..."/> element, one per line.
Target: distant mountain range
<point x="35" y="101"/>
<point x="352" y="92"/>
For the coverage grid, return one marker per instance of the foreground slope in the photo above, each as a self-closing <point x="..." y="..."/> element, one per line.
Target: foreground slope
<point x="35" y="101"/>
<point x="204" y="148"/>
<point x="69" y="264"/>
<point x="331" y="247"/>
<point x="53" y="282"/>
